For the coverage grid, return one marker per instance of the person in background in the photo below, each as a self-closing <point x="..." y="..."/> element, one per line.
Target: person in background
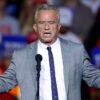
<point x="83" y="18"/>
<point x="66" y="23"/>
<point x="94" y="34"/>
<point x="92" y="4"/>
<point x="8" y="25"/>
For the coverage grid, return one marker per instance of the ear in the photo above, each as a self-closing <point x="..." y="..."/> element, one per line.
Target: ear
<point x="35" y="27"/>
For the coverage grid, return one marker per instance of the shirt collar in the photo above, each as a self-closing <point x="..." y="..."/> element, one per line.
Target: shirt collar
<point x="56" y="43"/>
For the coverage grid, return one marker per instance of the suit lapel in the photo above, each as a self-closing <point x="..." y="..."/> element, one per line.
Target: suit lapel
<point x="66" y="56"/>
<point x="32" y="51"/>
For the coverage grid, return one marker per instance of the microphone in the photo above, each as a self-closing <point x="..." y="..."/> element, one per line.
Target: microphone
<point x="38" y="59"/>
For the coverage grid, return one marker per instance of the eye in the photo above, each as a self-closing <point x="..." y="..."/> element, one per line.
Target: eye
<point x="52" y="22"/>
<point x="41" y="22"/>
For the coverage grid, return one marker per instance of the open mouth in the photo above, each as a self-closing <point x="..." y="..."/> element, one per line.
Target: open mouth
<point x="47" y="33"/>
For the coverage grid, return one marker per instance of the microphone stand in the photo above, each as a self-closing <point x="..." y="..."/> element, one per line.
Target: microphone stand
<point x="38" y="58"/>
<point x="38" y="68"/>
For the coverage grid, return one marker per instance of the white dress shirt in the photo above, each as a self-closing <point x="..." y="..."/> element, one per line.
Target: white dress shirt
<point x="45" y="80"/>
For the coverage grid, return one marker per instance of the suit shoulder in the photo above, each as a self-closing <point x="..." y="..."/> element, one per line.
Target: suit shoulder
<point x="25" y="49"/>
<point x="71" y="43"/>
<point x="75" y="44"/>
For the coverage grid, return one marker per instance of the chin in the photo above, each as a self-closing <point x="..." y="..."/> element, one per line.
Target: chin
<point x="48" y="41"/>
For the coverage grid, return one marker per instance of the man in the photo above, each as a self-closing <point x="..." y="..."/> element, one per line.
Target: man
<point x="71" y="63"/>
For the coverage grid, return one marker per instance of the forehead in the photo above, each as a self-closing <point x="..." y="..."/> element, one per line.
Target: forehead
<point x="47" y="14"/>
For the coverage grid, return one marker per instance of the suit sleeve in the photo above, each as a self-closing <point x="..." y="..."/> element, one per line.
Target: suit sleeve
<point x="8" y="79"/>
<point x="90" y="74"/>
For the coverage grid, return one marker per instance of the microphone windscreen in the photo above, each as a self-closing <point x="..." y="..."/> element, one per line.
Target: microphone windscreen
<point x="38" y="57"/>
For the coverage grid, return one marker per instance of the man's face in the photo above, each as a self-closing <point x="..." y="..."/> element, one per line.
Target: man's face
<point x="47" y="26"/>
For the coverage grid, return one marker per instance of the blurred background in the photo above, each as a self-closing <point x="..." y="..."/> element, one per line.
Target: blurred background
<point x="80" y="20"/>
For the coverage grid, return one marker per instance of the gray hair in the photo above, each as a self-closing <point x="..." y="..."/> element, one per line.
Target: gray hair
<point x="46" y="7"/>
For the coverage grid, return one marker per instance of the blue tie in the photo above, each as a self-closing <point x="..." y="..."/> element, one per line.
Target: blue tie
<point x="52" y="73"/>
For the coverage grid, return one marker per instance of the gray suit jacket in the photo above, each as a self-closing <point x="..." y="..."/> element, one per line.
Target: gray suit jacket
<point x="76" y="66"/>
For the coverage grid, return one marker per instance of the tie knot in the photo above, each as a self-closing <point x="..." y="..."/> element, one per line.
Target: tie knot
<point x="49" y="48"/>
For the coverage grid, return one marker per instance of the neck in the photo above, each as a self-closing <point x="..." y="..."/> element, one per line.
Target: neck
<point x="48" y="43"/>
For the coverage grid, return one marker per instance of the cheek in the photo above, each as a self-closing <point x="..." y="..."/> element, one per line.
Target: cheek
<point x="56" y="29"/>
<point x="40" y="28"/>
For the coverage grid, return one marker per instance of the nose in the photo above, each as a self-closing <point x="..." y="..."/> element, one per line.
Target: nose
<point x="46" y="26"/>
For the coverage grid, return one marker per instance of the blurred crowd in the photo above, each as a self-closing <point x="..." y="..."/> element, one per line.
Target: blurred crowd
<point x="80" y="23"/>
